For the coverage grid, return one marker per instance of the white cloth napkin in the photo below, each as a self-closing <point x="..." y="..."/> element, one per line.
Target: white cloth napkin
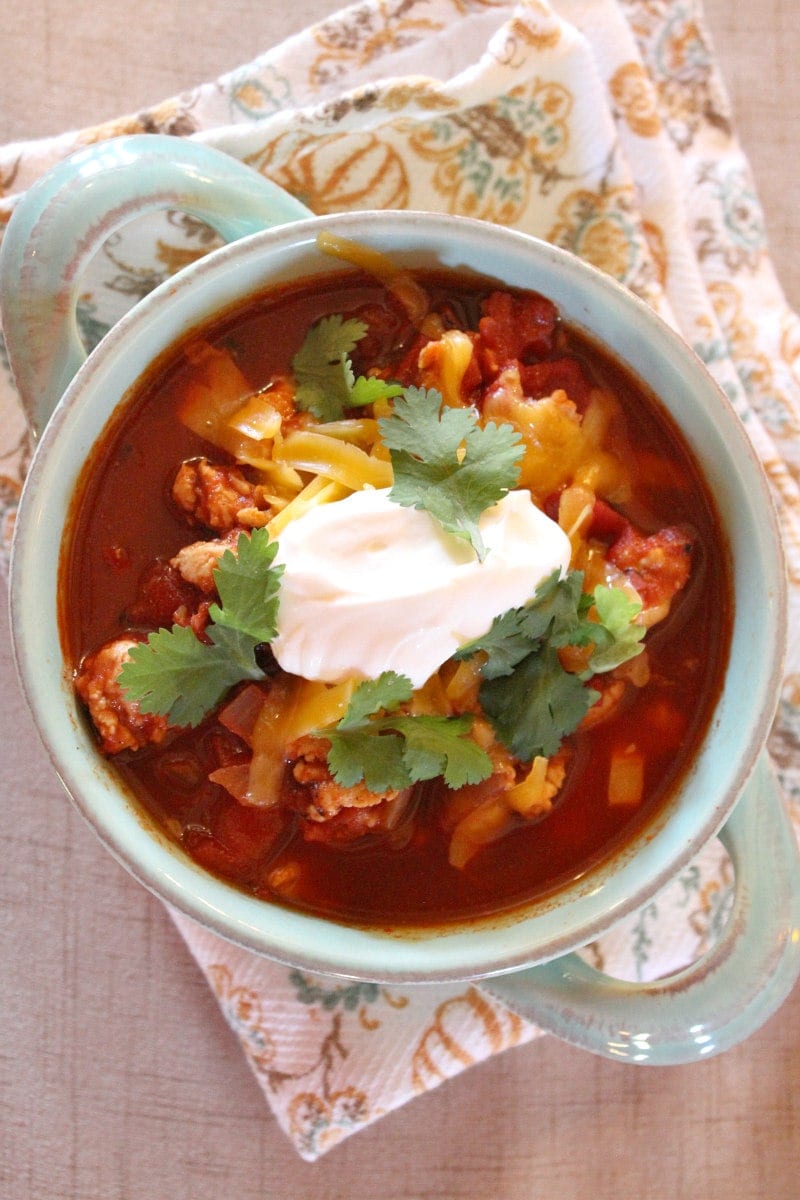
<point x="602" y="126"/>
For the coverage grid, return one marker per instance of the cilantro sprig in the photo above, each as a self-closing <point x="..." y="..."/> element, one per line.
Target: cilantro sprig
<point x="532" y="702"/>
<point x="389" y="750"/>
<point x="443" y="460"/>
<point x="326" y="382"/>
<point x="175" y="674"/>
<point x="446" y="463"/>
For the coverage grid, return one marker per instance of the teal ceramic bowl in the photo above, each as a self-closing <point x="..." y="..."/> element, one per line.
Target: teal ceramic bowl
<point x="529" y="959"/>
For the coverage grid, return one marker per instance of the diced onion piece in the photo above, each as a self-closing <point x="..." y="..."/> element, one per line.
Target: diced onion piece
<point x="483" y="825"/>
<point x="531" y="796"/>
<point x="256" y="418"/>
<point x="268" y="763"/>
<point x="217" y="393"/>
<point x="218" y="388"/>
<point x="637" y="671"/>
<point x="345" y="463"/>
<point x="599" y="412"/>
<point x="319" y="491"/>
<point x="235" y="778"/>
<point x="286" y="879"/>
<point x="240" y="714"/>
<point x="626" y="777"/>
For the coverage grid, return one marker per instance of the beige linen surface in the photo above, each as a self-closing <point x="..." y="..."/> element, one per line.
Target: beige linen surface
<point x="320" y="1120"/>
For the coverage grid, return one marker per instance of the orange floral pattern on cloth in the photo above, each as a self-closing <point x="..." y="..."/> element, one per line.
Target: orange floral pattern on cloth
<point x="602" y="127"/>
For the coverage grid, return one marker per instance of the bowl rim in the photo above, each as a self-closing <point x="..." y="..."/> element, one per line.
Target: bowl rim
<point x="571" y="918"/>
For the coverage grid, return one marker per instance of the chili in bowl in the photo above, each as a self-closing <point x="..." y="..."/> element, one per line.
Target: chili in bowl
<point x="413" y="648"/>
<point x="409" y="601"/>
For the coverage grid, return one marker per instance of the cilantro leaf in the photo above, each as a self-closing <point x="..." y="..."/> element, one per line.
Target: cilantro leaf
<point x="506" y="644"/>
<point x="446" y="463"/>
<point x="361" y="755"/>
<point x="372" y="696"/>
<point x="326" y="383"/>
<point x="616" y="637"/>
<point x="530" y="700"/>
<point x="322" y="367"/>
<point x="247" y="583"/>
<point x="555" y="612"/>
<point x="558" y="611"/>
<point x="391" y="752"/>
<point x="534" y="709"/>
<point x="439" y="746"/>
<point x="367" y="389"/>
<point x="175" y="674"/>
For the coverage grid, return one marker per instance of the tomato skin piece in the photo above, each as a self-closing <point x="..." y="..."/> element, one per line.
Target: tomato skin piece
<point x="607" y="524"/>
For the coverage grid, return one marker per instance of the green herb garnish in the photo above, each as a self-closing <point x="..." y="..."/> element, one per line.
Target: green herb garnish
<point x="326" y="382"/>
<point x="392" y="751"/>
<point x="534" y="708"/>
<point x="446" y="463"/>
<point x="531" y="701"/>
<point x="175" y="674"/>
<point x="615" y="637"/>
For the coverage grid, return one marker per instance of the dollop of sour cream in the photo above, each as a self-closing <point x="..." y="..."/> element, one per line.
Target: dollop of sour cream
<point x="370" y="586"/>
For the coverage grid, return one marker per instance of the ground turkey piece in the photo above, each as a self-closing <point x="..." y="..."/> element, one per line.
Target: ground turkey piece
<point x="119" y="723"/>
<point x="332" y="812"/>
<point x="219" y="497"/>
<point x="197" y="562"/>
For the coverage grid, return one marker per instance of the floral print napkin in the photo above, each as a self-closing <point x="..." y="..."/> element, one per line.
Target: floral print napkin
<point x="602" y="126"/>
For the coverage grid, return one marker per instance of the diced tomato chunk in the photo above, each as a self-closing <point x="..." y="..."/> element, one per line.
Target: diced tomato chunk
<point x="607" y="524"/>
<point x="249" y="831"/>
<point x="347" y="825"/>
<point x="543" y="378"/>
<point x="658" y="564"/>
<point x="238" y="841"/>
<point x="211" y="854"/>
<point x="515" y="328"/>
<point x="163" y="592"/>
<point x="551" y="504"/>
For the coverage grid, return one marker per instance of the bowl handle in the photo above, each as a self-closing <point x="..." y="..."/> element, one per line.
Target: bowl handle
<point x="67" y="215"/>
<point x="716" y="1002"/>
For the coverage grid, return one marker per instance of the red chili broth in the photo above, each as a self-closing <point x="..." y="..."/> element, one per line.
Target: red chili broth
<point x="123" y="519"/>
